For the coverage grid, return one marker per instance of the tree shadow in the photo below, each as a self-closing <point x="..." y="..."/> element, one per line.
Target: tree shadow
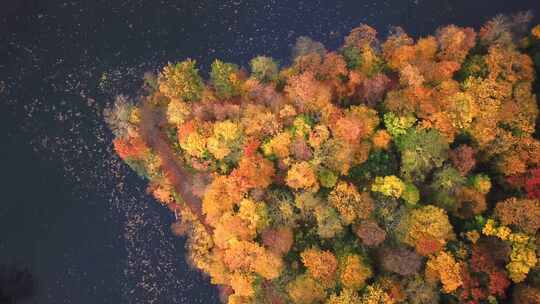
<point x="17" y="284"/>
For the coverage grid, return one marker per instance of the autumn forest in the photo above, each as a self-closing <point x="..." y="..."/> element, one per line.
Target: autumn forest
<point x="390" y="170"/>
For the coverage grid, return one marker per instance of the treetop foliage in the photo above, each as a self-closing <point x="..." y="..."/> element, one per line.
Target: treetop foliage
<point x="392" y="170"/>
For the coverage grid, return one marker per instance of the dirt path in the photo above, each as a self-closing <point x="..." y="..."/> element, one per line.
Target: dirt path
<point x="172" y="166"/>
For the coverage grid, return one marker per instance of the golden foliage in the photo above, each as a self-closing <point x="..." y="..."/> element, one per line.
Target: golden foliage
<point x="427" y="223"/>
<point x="354" y="272"/>
<point x="442" y="267"/>
<point x="321" y="265"/>
<point x="305" y="290"/>
<point x="351" y="204"/>
<point x="302" y="176"/>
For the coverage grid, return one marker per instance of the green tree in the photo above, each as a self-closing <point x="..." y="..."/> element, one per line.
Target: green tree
<point x="181" y="80"/>
<point x="224" y="77"/>
<point x="264" y="68"/>
<point x="421" y="151"/>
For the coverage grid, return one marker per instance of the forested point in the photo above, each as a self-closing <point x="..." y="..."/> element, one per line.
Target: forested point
<point x="387" y="171"/>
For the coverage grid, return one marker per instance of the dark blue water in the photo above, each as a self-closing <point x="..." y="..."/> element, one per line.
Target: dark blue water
<point x="73" y="216"/>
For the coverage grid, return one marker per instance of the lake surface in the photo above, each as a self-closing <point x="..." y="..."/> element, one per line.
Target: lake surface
<point x="71" y="213"/>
